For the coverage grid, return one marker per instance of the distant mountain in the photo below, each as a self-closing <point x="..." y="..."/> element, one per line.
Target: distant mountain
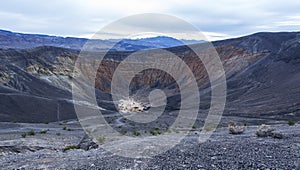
<point x="24" y="41"/>
<point x="262" y="70"/>
<point x="14" y="40"/>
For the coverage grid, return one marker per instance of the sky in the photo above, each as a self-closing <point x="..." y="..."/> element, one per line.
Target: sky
<point x="216" y="19"/>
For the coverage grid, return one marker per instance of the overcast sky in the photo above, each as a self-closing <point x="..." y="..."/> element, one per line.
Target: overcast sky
<point x="217" y="19"/>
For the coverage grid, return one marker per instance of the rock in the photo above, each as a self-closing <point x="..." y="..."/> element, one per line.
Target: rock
<point x="131" y="105"/>
<point x="264" y="131"/>
<point x="235" y="129"/>
<point x="4" y="77"/>
<point x="44" y="151"/>
<point x="268" y="131"/>
<point x="277" y="135"/>
<point x="87" y="144"/>
<point x="32" y="69"/>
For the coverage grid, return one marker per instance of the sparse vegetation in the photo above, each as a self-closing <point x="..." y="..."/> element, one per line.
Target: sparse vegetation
<point x="23" y="135"/>
<point x="291" y="123"/>
<point x="65" y="128"/>
<point x="123" y="132"/>
<point x="231" y="124"/>
<point x="136" y="133"/>
<point x="58" y="134"/>
<point x="176" y="130"/>
<point x="70" y="147"/>
<point x="168" y="130"/>
<point x="101" y="139"/>
<point x="31" y="133"/>
<point x="194" y="127"/>
<point x="46" y="122"/>
<point x="44" y="131"/>
<point x="153" y="132"/>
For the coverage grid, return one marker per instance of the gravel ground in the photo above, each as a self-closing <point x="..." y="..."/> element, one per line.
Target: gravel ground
<point x="221" y="151"/>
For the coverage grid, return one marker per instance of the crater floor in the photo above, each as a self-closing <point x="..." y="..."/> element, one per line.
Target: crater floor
<point x="221" y="151"/>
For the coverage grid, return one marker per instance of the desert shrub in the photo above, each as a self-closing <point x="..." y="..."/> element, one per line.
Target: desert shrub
<point x="231" y="124"/>
<point x="58" y="134"/>
<point x="291" y="123"/>
<point x="123" y="132"/>
<point x="168" y="130"/>
<point x="46" y="122"/>
<point x="23" y="135"/>
<point x="101" y="139"/>
<point x="64" y="128"/>
<point x="31" y="133"/>
<point x="70" y="147"/>
<point x="194" y="127"/>
<point x="153" y="132"/>
<point x="176" y="130"/>
<point x="43" y="131"/>
<point x="136" y="133"/>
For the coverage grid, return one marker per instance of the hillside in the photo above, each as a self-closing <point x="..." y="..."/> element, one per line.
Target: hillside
<point x="262" y="73"/>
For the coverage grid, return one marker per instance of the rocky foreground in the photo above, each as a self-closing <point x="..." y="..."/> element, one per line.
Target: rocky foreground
<point x="51" y="147"/>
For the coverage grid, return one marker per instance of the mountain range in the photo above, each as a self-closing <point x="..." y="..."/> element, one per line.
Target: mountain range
<point x="14" y="40"/>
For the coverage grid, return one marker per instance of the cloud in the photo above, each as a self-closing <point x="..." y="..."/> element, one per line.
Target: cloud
<point x="220" y="19"/>
<point x="289" y="21"/>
